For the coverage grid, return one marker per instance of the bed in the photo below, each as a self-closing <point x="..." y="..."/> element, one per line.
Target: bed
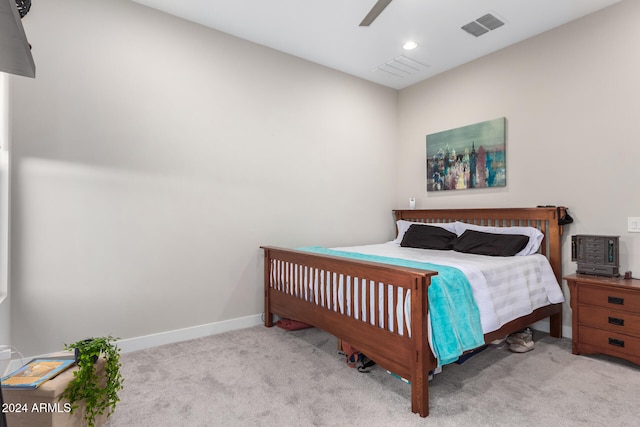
<point x="312" y="288"/>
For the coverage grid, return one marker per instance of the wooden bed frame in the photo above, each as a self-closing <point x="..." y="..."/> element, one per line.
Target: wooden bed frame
<point x="286" y="272"/>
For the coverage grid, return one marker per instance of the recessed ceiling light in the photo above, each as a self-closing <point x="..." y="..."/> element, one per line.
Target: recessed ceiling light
<point x="410" y="45"/>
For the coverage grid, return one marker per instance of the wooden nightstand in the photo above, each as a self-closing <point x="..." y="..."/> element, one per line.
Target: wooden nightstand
<point x="606" y="316"/>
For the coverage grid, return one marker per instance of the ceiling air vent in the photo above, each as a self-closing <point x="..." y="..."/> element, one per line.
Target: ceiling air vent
<point x="483" y="25"/>
<point x="401" y="66"/>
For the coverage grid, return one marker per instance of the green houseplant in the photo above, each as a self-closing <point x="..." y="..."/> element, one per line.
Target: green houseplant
<point x="96" y="392"/>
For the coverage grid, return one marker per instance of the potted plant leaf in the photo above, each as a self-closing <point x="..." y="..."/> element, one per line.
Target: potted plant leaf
<point x="98" y="392"/>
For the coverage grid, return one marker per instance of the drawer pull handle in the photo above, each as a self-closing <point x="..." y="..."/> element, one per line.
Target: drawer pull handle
<point x="616" y="321"/>
<point x="617" y="343"/>
<point x="615" y="300"/>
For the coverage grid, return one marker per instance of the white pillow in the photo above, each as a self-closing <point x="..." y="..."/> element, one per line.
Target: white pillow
<point x="404" y="225"/>
<point x="535" y="235"/>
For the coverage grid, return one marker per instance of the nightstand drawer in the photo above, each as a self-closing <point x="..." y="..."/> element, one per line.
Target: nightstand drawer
<point x="605" y="316"/>
<point x="611" y="298"/>
<point x="610" y="320"/>
<point x="610" y="342"/>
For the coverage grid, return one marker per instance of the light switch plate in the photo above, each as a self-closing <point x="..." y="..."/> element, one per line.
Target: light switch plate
<point x="633" y="224"/>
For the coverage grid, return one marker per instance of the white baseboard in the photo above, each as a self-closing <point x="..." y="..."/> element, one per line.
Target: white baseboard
<point x="543" y="326"/>
<point x="154" y="340"/>
<point x="169" y="337"/>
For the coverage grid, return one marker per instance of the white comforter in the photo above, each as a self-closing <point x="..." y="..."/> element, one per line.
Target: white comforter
<point x="504" y="288"/>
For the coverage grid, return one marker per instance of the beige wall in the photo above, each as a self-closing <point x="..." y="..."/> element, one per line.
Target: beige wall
<point x="151" y="159"/>
<point x="571" y="97"/>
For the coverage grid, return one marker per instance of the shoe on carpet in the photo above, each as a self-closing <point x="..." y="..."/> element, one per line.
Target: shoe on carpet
<point x="525" y="334"/>
<point x="521" y="346"/>
<point x="521" y="342"/>
<point x="499" y="343"/>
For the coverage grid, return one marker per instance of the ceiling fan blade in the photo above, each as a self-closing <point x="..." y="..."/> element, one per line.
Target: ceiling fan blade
<point x="374" y="12"/>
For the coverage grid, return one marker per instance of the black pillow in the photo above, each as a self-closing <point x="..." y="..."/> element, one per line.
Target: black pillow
<point x="428" y="237"/>
<point x="480" y="243"/>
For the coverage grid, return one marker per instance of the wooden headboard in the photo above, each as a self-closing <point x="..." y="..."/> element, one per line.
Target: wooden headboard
<point x="544" y="219"/>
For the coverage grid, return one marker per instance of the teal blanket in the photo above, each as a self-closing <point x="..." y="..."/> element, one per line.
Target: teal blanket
<point x="455" y="319"/>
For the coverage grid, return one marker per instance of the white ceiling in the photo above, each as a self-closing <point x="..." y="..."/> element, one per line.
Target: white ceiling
<point x="327" y="32"/>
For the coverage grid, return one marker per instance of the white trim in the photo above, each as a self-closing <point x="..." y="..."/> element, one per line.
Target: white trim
<point x="169" y="337"/>
<point x="5" y="187"/>
<point x="543" y="325"/>
<point x="147" y="341"/>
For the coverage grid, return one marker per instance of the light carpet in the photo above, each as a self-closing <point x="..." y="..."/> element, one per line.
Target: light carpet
<point x="270" y="377"/>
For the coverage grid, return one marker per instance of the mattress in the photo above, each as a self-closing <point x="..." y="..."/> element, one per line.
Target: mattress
<point x="504" y="288"/>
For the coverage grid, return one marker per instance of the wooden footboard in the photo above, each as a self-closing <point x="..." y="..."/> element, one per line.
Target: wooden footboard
<point x="322" y="291"/>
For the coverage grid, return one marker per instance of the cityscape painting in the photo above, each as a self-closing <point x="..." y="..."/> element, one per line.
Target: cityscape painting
<point x="467" y="157"/>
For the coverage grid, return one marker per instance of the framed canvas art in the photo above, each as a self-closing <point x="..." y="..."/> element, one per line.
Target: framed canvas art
<point x="467" y="157"/>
